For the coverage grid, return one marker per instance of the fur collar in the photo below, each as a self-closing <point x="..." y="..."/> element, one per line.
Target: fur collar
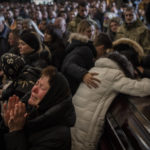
<point x="131" y="43"/>
<point x="78" y="36"/>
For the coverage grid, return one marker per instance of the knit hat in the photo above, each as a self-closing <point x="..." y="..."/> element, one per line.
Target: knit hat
<point x="31" y="39"/>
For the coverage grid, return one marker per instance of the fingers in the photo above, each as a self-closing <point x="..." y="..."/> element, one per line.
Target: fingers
<point x="19" y="110"/>
<point x="95" y="79"/>
<point x="4" y="107"/>
<point x="92" y="83"/>
<point x="10" y="103"/>
<point x="11" y="115"/>
<point x="90" y="80"/>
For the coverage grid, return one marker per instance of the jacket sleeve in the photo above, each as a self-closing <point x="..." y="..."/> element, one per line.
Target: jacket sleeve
<point x="76" y="64"/>
<point x="132" y="87"/>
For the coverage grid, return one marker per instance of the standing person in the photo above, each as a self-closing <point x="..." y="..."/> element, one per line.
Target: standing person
<point x="10" y="21"/>
<point x="81" y="54"/>
<point x="116" y="74"/>
<point x="60" y="23"/>
<point x="83" y="11"/>
<point x="44" y="123"/>
<point x="135" y="30"/>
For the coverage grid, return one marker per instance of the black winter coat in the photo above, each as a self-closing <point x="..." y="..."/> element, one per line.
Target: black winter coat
<point x="48" y="126"/>
<point x="47" y="132"/>
<point x="23" y="83"/>
<point x="38" y="59"/>
<point x="78" y="61"/>
<point x="4" y="46"/>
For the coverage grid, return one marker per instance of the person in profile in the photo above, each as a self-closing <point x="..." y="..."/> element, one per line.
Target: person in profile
<point x="42" y="119"/>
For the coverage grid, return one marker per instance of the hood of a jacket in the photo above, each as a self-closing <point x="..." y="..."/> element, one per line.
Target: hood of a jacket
<point x="115" y="60"/>
<point x="131" y="43"/>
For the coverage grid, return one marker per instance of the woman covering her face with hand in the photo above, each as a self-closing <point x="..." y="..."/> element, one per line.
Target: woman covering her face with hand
<point x="43" y="121"/>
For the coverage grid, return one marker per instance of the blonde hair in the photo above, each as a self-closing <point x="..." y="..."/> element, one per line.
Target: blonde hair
<point x="83" y="25"/>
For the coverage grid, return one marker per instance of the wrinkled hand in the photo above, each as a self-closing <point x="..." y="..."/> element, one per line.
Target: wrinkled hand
<point x="17" y="117"/>
<point x="7" y="107"/>
<point x="90" y="80"/>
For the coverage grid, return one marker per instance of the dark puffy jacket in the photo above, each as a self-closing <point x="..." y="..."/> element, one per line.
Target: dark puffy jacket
<point x="48" y="126"/>
<point x="4" y="46"/>
<point x="38" y="59"/>
<point x="79" y="59"/>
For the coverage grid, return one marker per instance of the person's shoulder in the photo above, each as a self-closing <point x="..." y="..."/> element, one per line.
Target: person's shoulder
<point x="31" y="71"/>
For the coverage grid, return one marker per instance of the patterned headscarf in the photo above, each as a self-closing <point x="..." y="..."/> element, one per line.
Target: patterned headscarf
<point x="12" y="65"/>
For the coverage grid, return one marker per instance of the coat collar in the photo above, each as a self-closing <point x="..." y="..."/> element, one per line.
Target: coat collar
<point x="78" y="36"/>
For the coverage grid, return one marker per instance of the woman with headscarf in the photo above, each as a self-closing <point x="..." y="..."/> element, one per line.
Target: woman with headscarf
<point x="21" y="77"/>
<point x="44" y="123"/>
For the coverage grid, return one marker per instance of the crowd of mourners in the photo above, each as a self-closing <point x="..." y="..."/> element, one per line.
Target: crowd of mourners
<point x="61" y="67"/>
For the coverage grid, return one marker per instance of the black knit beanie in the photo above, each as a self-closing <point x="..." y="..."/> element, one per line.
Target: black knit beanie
<point x="31" y="39"/>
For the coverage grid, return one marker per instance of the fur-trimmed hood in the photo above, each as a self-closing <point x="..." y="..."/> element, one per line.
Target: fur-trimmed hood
<point x="79" y="37"/>
<point x="132" y="44"/>
<point x="77" y="41"/>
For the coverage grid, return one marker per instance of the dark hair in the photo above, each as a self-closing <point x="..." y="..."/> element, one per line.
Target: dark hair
<point x="123" y="63"/>
<point x="129" y="8"/>
<point x="116" y="20"/>
<point x="129" y="52"/>
<point x="55" y="33"/>
<point x="83" y="4"/>
<point x="16" y="33"/>
<point x="103" y="39"/>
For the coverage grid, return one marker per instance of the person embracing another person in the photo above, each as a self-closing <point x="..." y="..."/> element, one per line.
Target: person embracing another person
<point x="117" y="75"/>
